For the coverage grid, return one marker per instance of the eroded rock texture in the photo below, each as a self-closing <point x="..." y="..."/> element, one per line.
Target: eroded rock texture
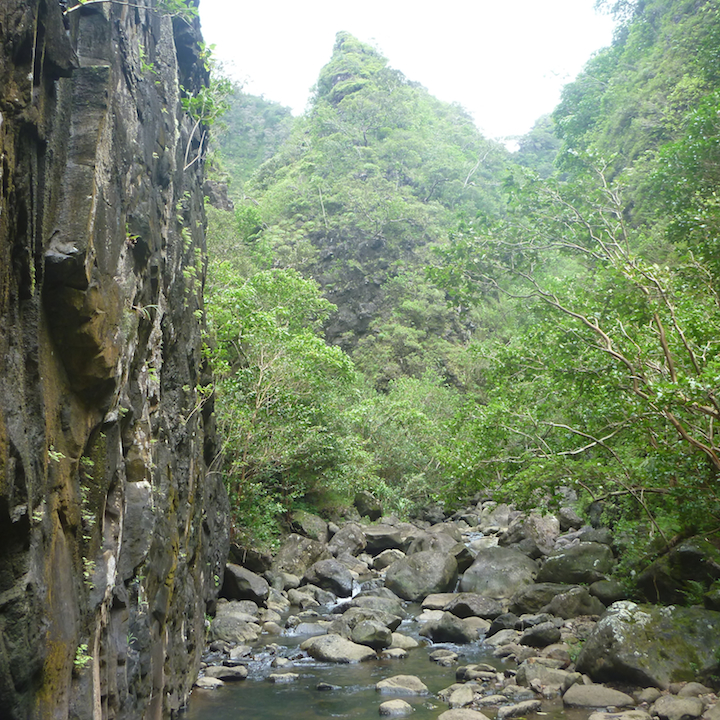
<point x="111" y="522"/>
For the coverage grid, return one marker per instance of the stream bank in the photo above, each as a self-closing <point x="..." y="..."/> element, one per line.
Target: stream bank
<point x="490" y="613"/>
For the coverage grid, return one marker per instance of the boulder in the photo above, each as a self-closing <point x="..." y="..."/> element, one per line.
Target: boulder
<point x="448" y="629"/>
<point x="334" y="648"/>
<point x="494" y="517"/>
<point x="438" y="601"/>
<point x="499" y="573"/>
<point x="244" y="609"/>
<point x="298" y="553"/>
<point x="601" y="535"/>
<point x="393" y="653"/>
<point x="520" y="709"/>
<point x="354" y="615"/>
<point x="533" y="598"/>
<point x="227" y="674"/>
<point x="368" y="505"/>
<point x="391" y="605"/>
<point x="373" y="634"/>
<point x="387" y="558"/>
<point x="623" y="715"/>
<point x="473" y="605"/>
<point x="534" y="535"/>
<point x="461" y="697"/>
<point x="694" y="689"/>
<point x="233" y="630"/>
<point x="667" y="579"/>
<point x="506" y="621"/>
<point x="386" y="537"/>
<point x="419" y="575"/>
<point x="464" y="557"/>
<point x="256" y="560"/>
<point x="395" y="707"/>
<point x="671" y="707"/>
<point x="652" y="646"/>
<point x="402" y="685"/>
<point x="608" y="591"/>
<point x="282" y="678"/>
<point x="540" y="635"/>
<point x="348" y="539"/>
<point x="569" y="519"/>
<point x="243" y="584"/>
<point x="208" y="683"/>
<point x="582" y="563"/>
<point x="462" y="714"/>
<point x="574" y="602"/>
<point x="330" y="575"/>
<point x="531" y="674"/>
<point x="309" y="525"/>
<point x="439" y="541"/>
<point x="595" y="696"/>
<point x="404" y="642"/>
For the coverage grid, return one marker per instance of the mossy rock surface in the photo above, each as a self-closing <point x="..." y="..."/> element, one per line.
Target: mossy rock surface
<point x="651" y="645"/>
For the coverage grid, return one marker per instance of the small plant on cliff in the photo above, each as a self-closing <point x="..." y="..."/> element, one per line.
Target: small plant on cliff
<point x="81" y="657"/>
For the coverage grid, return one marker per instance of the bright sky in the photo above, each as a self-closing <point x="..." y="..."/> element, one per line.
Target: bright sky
<point x="503" y="60"/>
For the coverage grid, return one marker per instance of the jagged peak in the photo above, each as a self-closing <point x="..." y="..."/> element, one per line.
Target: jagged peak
<point x="352" y="66"/>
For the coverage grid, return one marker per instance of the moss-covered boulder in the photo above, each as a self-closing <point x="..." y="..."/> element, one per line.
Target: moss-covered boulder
<point x="585" y="562"/>
<point x="689" y="568"/>
<point x="652" y="646"/>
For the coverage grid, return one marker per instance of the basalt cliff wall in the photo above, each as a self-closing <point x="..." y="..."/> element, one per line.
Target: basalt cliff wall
<point x="112" y="522"/>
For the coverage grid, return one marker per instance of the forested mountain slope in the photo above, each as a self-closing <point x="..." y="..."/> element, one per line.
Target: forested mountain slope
<point x="374" y="173"/>
<point x="579" y="347"/>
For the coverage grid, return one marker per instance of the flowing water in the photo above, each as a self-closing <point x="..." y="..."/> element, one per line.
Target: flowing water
<point x="353" y="695"/>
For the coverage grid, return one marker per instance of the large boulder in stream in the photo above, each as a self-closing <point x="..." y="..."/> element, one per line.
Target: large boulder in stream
<point x="384" y="536"/>
<point x="330" y="575"/>
<point x="585" y="562"/>
<point x="335" y="648"/>
<point x="652" y="646"/>
<point x="576" y="601"/>
<point x="466" y="605"/>
<point x="532" y="534"/>
<point x="298" y="553"/>
<point x="532" y="598"/>
<point x="448" y="628"/>
<point x="498" y="573"/>
<point x="349" y="539"/>
<point x="243" y="584"/>
<point x="417" y="576"/>
<point x="309" y="525"/>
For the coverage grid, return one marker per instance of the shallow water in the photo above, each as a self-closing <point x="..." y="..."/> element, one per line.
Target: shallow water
<point x="353" y="697"/>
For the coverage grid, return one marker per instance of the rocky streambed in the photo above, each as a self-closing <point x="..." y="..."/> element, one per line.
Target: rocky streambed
<point x="491" y="613"/>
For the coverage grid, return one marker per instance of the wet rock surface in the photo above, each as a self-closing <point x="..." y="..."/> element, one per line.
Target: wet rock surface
<point x="112" y="523"/>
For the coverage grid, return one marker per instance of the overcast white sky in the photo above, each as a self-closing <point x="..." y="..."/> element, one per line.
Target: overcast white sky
<point x="503" y="60"/>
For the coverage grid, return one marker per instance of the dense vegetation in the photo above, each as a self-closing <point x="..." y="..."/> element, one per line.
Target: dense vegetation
<point x="399" y="304"/>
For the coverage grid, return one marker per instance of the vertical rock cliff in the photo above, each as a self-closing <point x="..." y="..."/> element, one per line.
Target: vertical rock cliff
<point x="112" y="523"/>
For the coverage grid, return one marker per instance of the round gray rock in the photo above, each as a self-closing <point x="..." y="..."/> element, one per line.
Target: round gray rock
<point x="421" y="574"/>
<point x="498" y="573"/>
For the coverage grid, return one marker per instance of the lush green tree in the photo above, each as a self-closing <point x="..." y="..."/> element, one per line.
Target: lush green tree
<point x="278" y="388"/>
<point x="610" y="386"/>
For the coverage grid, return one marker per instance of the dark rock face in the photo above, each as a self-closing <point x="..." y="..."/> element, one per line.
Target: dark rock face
<point x="111" y="521"/>
<point x="652" y="646"/>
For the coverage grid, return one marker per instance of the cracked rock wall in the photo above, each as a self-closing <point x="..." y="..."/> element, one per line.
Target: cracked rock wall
<point x="112" y="521"/>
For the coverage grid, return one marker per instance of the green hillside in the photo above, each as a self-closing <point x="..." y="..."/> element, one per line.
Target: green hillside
<point x="525" y="324"/>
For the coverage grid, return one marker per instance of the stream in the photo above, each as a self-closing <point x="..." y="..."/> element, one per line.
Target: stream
<point x="352" y="694"/>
